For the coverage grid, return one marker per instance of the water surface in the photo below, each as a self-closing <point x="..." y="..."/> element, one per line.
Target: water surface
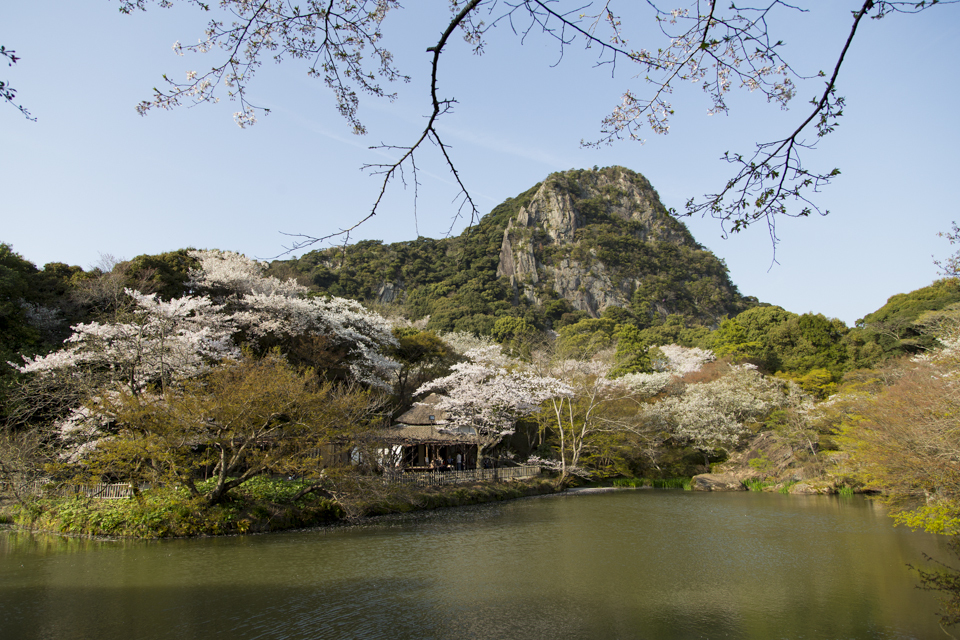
<point x="633" y="564"/>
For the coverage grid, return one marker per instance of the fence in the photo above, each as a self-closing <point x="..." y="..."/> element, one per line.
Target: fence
<point x="105" y="491"/>
<point x="418" y="478"/>
<point x="437" y="478"/>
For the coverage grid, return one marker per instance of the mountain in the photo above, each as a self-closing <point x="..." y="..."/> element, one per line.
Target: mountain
<point x="583" y="243"/>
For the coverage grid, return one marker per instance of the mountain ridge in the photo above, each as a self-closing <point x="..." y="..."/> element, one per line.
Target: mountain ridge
<point x="580" y="242"/>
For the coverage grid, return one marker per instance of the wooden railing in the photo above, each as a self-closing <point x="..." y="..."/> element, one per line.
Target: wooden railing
<point x="105" y="491"/>
<point x="418" y="478"/>
<point x="438" y="478"/>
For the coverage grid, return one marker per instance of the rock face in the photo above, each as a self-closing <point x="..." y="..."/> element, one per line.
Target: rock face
<point x="596" y="238"/>
<point x="716" y="482"/>
<point x="388" y="292"/>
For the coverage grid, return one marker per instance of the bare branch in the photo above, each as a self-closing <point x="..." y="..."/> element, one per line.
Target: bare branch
<point x="393" y="169"/>
<point x="8" y="93"/>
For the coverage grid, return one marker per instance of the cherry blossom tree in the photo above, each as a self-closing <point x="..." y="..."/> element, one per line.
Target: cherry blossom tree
<point x="272" y="312"/>
<point x="488" y="393"/>
<point x="679" y="360"/>
<point x="223" y="274"/>
<point x="588" y="405"/>
<point x="714" y="415"/>
<point x="163" y="341"/>
<point x="669" y="362"/>
<point x="160" y="345"/>
<point x="647" y="385"/>
<point x="462" y="342"/>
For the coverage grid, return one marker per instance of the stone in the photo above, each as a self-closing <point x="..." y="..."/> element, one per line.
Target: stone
<point x="813" y="488"/>
<point x="716" y="482"/>
<point x="388" y="292"/>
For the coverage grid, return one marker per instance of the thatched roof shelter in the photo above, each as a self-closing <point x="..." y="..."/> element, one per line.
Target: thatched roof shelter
<point x="424" y="424"/>
<point x="426" y="434"/>
<point x="424" y="413"/>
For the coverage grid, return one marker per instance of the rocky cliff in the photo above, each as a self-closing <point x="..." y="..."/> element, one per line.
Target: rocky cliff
<point x="603" y="239"/>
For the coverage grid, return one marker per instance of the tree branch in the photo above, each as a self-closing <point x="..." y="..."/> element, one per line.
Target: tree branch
<point x="391" y="170"/>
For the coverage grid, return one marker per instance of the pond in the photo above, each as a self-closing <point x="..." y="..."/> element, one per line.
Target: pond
<point x="629" y="564"/>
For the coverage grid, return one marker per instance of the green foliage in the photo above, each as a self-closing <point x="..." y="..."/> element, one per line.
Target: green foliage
<point x="509" y="330"/>
<point x="631" y="482"/>
<point x="243" y="420"/>
<point x="35" y="312"/>
<point x="165" y="274"/>
<point x="909" y="306"/>
<point x="163" y="512"/>
<point x="656" y="483"/>
<point x="423" y="356"/>
<point x="785" y="487"/>
<point x="263" y="504"/>
<point x="452" y="280"/>
<point x="671" y="483"/>
<point x="817" y="383"/>
<point x="675" y="329"/>
<point x="762" y="464"/>
<point x="748" y="336"/>
<point x="632" y="355"/>
<point x="16" y="279"/>
<point x="756" y="484"/>
<point x="777" y="340"/>
<point x="894" y="329"/>
<point x="586" y="337"/>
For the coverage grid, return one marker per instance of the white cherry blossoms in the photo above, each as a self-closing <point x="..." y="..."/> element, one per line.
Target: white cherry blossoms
<point x="490" y="392"/>
<point x="163" y="341"/>
<point x="265" y="307"/>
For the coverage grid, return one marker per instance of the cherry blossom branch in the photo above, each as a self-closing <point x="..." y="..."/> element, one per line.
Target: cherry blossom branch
<point x="715" y="47"/>
<point x="779" y="162"/>
<point x="8" y="93"/>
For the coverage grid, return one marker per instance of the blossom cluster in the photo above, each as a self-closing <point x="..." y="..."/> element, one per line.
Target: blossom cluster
<point x="165" y="340"/>
<point x="179" y="338"/>
<point x="484" y="393"/>
<point x="673" y="358"/>
<point x="714" y="414"/>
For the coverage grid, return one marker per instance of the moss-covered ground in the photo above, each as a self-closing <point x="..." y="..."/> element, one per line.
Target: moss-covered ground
<point x="259" y="506"/>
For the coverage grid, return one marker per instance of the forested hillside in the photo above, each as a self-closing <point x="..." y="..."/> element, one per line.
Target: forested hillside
<point x="580" y="244"/>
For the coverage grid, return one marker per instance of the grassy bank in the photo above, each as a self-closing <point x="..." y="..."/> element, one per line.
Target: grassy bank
<point x="258" y="506"/>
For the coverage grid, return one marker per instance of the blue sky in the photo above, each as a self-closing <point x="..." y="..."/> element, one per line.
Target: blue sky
<point x="91" y="176"/>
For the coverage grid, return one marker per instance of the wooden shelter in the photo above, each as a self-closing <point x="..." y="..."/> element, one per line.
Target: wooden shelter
<point x="423" y="438"/>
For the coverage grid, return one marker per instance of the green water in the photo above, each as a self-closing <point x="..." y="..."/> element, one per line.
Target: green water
<point x="631" y="564"/>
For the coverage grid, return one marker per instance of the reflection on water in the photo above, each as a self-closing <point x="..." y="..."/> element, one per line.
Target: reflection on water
<point x="633" y="564"/>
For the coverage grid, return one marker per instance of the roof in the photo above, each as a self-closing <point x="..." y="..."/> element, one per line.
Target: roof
<point x="422" y="411"/>
<point x="428" y="434"/>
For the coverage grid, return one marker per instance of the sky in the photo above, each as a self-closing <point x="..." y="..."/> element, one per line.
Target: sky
<point x="91" y="177"/>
